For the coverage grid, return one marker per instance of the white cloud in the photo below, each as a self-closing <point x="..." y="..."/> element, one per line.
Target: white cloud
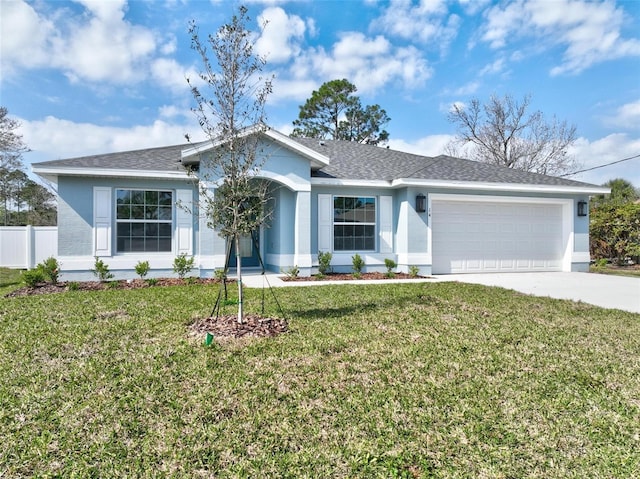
<point x="369" y="63"/>
<point x="107" y="48"/>
<point x="627" y="116"/>
<point x="605" y="150"/>
<point x="432" y="145"/>
<point x="171" y="74"/>
<point x="24" y="37"/>
<point x="97" y="45"/>
<point x="589" y="32"/>
<point x="54" y="138"/>
<point x="281" y="35"/>
<point x="429" y="21"/>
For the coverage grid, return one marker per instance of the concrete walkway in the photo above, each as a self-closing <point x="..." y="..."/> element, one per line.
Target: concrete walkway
<point x="606" y="291"/>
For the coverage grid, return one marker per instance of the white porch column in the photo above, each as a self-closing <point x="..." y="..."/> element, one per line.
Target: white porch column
<point x="302" y="228"/>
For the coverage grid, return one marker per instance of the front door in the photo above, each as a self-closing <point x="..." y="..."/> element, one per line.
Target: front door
<point x="249" y="251"/>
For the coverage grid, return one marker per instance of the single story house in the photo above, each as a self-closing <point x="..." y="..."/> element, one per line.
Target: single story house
<point x="441" y="214"/>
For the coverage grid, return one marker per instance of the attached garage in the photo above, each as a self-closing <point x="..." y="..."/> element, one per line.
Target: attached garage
<point x="480" y="234"/>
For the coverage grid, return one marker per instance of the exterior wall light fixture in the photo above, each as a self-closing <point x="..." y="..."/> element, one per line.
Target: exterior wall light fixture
<point x="421" y="203"/>
<point x="582" y="208"/>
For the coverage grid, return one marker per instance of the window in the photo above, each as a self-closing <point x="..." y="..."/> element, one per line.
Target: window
<point x="354" y="223"/>
<point x="144" y="220"/>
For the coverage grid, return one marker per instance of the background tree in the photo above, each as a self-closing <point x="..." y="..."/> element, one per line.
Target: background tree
<point x="229" y="106"/>
<point x="503" y="132"/>
<point x="17" y="190"/>
<point x="614" y="227"/>
<point x="333" y="112"/>
<point x="11" y="149"/>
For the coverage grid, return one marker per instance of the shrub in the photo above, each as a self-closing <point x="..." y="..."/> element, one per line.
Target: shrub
<point x="220" y="274"/>
<point x="101" y="270"/>
<point x="324" y="262"/>
<point x="357" y="264"/>
<point x="191" y="280"/>
<point x="152" y="281"/>
<point x="50" y="269"/>
<point x="142" y="269"/>
<point x="73" y="286"/>
<point x="182" y="265"/>
<point x="615" y="231"/>
<point x="112" y="284"/>
<point x="32" y="277"/>
<point x="391" y="265"/>
<point x="293" y="272"/>
<point x="413" y="271"/>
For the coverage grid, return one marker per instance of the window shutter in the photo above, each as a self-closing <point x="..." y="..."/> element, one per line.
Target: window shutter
<point x="325" y="222"/>
<point x="386" y="224"/>
<point x="184" y="222"/>
<point x="102" y="221"/>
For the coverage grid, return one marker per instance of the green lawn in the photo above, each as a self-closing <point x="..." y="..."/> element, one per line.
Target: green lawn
<point x="401" y="380"/>
<point x="617" y="271"/>
<point x="10" y="279"/>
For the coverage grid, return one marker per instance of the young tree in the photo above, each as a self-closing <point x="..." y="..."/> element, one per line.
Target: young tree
<point x="11" y="149"/>
<point x="503" y="132"/>
<point x="334" y="112"/>
<point x="230" y="110"/>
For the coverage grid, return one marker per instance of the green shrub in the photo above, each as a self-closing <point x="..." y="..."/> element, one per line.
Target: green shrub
<point x="391" y="265"/>
<point x="142" y="269"/>
<point x="182" y="265"/>
<point x="32" y="277"/>
<point x="413" y="271"/>
<point x="113" y="284"/>
<point x="152" y="281"/>
<point x="220" y="274"/>
<point x="293" y="272"/>
<point x="73" y="286"/>
<point x="324" y="262"/>
<point x="357" y="264"/>
<point x="191" y="280"/>
<point x="50" y="269"/>
<point x="101" y="270"/>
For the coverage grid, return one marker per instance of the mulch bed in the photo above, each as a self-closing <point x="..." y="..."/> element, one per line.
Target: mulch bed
<point x="48" y="288"/>
<point x="349" y="276"/>
<point x="253" y="325"/>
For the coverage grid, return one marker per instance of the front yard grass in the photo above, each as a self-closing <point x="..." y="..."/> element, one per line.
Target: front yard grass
<point x="394" y="380"/>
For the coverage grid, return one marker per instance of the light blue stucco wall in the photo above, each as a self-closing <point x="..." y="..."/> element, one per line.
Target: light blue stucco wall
<point x="75" y="209"/>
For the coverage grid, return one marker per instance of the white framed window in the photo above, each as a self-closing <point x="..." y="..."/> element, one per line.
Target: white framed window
<point x="354" y="223"/>
<point x="144" y="220"/>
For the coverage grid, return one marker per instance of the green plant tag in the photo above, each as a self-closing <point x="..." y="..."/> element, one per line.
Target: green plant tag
<point x="208" y="339"/>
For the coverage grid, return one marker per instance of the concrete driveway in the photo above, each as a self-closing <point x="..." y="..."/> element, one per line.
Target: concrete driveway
<point x="607" y="291"/>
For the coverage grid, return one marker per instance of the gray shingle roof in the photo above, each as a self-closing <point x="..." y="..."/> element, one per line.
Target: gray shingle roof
<point x="366" y="162"/>
<point x="165" y="158"/>
<point x="348" y="160"/>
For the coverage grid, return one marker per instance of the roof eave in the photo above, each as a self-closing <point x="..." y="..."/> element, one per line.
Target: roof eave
<point x="462" y="185"/>
<point x="49" y="172"/>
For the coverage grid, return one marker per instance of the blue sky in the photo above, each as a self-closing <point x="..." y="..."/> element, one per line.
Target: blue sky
<point x="89" y="77"/>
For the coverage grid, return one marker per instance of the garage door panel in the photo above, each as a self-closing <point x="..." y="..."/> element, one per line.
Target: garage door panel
<point x="485" y="236"/>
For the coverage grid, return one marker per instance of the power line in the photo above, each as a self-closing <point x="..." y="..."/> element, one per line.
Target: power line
<point x="601" y="166"/>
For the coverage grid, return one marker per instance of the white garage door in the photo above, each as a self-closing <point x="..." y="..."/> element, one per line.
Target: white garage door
<point x="476" y="237"/>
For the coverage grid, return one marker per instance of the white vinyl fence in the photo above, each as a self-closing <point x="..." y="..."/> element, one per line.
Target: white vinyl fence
<point x="26" y="246"/>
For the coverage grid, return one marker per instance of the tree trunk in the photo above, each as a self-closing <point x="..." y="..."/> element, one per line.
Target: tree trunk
<point x="239" y="271"/>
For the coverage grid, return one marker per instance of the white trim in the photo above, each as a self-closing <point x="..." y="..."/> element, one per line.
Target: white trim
<point x="347" y="182"/>
<point x="567" y="216"/>
<point x="111" y="172"/>
<point x="463" y="185"/>
<point x="102" y="220"/>
<point x="385" y="226"/>
<point x="418" y="259"/>
<point x="511" y="187"/>
<point x="284" y="180"/>
<point x="580" y="257"/>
